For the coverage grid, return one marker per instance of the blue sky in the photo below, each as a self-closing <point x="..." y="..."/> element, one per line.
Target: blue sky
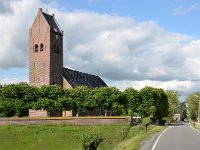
<point x="173" y="15"/>
<point x="131" y="43"/>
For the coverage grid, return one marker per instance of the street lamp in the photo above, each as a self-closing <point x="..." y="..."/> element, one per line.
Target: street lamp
<point x="199" y="108"/>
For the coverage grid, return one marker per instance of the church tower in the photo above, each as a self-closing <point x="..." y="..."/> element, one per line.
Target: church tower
<point x="45" y="51"/>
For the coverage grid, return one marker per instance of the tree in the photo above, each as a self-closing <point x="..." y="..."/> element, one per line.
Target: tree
<point x="105" y="98"/>
<point x="90" y="103"/>
<point x="51" y="92"/>
<point x="154" y="103"/>
<point x="174" y="104"/>
<point x="183" y="109"/>
<point x="7" y="108"/>
<point x="134" y="101"/>
<point x="44" y="104"/>
<point x="146" y="122"/>
<point x="79" y="96"/>
<point x="21" y="95"/>
<point x="119" y="106"/>
<point x="65" y="102"/>
<point x="162" y="104"/>
<point x="193" y="105"/>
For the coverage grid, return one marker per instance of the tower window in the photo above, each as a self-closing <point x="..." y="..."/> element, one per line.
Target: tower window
<point x="58" y="49"/>
<point x="54" y="48"/>
<point x="36" y="48"/>
<point x="41" y="47"/>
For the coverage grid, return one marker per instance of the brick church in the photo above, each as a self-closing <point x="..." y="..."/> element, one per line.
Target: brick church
<point x="46" y="57"/>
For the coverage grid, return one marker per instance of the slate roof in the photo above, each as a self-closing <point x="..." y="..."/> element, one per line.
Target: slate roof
<point x="53" y="23"/>
<point x="76" y="78"/>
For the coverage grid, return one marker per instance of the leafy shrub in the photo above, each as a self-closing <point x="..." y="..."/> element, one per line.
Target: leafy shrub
<point x="146" y="122"/>
<point x="168" y="120"/>
<point x="91" y="140"/>
<point x="125" y="132"/>
<point x="2" y="115"/>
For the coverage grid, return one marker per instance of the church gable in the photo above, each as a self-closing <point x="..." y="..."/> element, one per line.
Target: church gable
<point x="52" y="23"/>
<point x="76" y="78"/>
<point x="40" y="20"/>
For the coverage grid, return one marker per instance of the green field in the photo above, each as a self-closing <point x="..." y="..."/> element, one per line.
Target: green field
<point x="62" y="137"/>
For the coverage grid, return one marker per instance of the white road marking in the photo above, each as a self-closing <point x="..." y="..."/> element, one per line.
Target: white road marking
<point x="159" y="138"/>
<point x="194" y="128"/>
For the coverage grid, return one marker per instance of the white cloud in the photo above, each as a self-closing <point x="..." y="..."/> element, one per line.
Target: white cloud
<point x="10" y="81"/>
<point x="186" y="10"/>
<point x="121" y="48"/>
<point x="124" y="49"/>
<point x="14" y="33"/>
<point x="173" y="85"/>
<point x="183" y="87"/>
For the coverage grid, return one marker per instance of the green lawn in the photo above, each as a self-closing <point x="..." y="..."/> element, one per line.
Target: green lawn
<point x="58" y="137"/>
<point x="135" y="142"/>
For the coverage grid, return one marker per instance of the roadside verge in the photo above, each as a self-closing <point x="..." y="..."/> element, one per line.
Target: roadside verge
<point x="136" y="142"/>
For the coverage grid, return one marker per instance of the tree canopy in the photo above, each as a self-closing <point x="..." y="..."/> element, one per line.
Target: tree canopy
<point x="154" y="103"/>
<point x="193" y="105"/>
<point x="16" y="99"/>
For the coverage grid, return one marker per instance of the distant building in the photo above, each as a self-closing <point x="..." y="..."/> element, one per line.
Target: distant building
<point x="177" y="117"/>
<point x="46" y="57"/>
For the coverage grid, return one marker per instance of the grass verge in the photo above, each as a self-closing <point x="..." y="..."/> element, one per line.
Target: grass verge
<point x="55" y="137"/>
<point x="197" y="125"/>
<point x="135" y="142"/>
<point x="68" y="137"/>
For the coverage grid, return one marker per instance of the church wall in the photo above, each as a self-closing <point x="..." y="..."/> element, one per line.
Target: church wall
<point x="66" y="84"/>
<point x="38" y="113"/>
<point x="46" y="64"/>
<point x="39" y="63"/>
<point x="56" y="58"/>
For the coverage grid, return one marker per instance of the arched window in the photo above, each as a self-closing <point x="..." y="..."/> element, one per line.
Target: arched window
<point x="36" y="48"/>
<point x="41" y="47"/>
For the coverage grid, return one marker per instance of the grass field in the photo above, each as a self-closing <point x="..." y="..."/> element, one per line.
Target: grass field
<point x="59" y="137"/>
<point x="135" y="142"/>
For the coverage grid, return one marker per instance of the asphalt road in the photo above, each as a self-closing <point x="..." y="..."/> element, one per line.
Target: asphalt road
<point x="179" y="137"/>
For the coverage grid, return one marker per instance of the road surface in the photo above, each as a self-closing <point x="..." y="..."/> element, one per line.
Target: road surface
<point x="178" y="137"/>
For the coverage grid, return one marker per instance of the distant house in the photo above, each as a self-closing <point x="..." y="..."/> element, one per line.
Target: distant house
<point x="46" y="57"/>
<point x="177" y="117"/>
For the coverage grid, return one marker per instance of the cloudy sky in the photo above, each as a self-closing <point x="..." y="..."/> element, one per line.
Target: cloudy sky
<point x="128" y="43"/>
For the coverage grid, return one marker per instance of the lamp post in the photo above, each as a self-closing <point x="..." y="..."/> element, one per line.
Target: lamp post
<point x="199" y="108"/>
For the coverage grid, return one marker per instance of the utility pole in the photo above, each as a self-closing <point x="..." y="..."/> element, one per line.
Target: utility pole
<point x="199" y="112"/>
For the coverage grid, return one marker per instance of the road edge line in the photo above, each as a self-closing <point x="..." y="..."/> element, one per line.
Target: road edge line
<point x="159" y="138"/>
<point x="190" y="125"/>
<point x="194" y="128"/>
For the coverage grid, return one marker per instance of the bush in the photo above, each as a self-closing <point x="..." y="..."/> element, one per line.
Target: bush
<point x="168" y="120"/>
<point x="125" y="132"/>
<point x="146" y="122"/>
<point x="2" y="115"/>
<point x="91" y="140"/>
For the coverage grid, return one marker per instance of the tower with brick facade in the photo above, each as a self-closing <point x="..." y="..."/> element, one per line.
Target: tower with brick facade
<point x="45" y="51"/>
<point x="46" y="60"/>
